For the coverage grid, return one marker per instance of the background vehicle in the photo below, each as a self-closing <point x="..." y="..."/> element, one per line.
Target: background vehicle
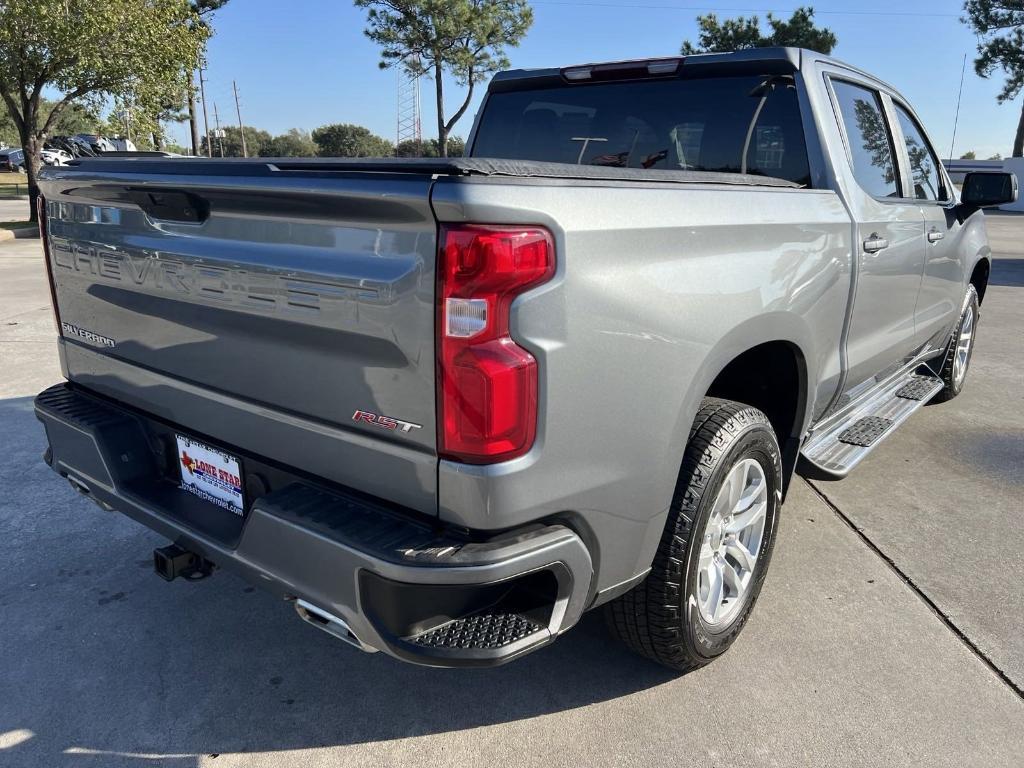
<point x="93" y="143"/>
<point x="56" y="157"/>
<point x="12" y="160"/>
<point x="445" y="406"/>
<point x="71" y="145"/>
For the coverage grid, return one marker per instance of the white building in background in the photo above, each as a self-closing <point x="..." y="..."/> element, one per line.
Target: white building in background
<point x="1015" y="165"/>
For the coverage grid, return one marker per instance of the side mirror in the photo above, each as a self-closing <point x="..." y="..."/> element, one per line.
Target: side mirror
<point x="984" y="189"/>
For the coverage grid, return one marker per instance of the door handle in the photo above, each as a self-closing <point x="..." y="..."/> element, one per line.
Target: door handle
<point x="874" y="244"/>
<point x="934" y="236"/>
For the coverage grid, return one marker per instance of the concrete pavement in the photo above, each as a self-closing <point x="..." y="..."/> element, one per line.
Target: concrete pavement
<point x="952" y="520"/>
<point x="15" y="209"/>
<point x="842" y="664"/>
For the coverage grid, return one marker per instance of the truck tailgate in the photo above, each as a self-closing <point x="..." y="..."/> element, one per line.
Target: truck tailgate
<point x="288" y="300"/>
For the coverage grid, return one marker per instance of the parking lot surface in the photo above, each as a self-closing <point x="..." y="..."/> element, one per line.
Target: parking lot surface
<point x="888" y="631"/>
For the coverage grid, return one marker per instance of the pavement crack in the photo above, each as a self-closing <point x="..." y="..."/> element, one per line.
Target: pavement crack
<point x="917" y="590"/>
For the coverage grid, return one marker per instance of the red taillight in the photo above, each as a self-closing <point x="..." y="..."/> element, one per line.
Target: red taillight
<point x="44" y="237"/>
<point x="487" y="384"/>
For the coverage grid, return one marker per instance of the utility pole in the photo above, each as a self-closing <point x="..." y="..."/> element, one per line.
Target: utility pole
<point x="193" y="124"/>
<point x="206" y="121"/>
<point x="238" y="111"/>
<point x="220" y="136"/>
<point x="127" y="116"/>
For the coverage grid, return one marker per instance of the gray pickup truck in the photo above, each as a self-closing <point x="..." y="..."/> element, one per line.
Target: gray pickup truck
<point x="446" y="406"/>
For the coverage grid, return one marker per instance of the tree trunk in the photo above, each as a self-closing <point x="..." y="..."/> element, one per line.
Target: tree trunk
<point x="32" y="145"/>
<point x="192" y="123"/>
<point x="1018" y="141"/>
<point x="442" y="134"/>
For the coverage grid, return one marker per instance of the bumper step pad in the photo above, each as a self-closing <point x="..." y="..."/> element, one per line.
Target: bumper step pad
<point x="845" y="440"/>
<point x="482" y="631"/>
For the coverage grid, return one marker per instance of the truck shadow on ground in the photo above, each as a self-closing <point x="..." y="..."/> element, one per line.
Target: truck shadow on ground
<point x="120" y="668"/>
<point x="1008" y="272"/>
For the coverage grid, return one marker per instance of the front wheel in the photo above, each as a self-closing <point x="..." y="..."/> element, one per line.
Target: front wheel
<point x="960" y="349"/>
<point x="717" y="543"/>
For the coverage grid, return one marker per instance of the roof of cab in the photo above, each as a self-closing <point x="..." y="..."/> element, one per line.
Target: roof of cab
<point x="776" y="60"/>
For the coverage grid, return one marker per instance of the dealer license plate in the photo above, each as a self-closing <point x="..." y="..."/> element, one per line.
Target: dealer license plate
<point x="210" y="474"/>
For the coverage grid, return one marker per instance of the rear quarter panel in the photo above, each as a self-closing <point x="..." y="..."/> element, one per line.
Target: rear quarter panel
<point x="657" y="288"/>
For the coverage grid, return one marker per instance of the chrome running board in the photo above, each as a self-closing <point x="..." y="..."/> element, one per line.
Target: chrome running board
<point x="840" y="446"/>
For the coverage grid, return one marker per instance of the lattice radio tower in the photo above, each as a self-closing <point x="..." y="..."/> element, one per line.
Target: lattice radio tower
<point x="408" y="107"/>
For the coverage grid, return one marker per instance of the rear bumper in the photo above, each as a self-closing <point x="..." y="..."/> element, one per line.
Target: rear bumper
<point x="402" y="586"/>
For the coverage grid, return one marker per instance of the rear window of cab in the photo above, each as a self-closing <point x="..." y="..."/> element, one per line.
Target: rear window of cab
<point x="748" y="124"/>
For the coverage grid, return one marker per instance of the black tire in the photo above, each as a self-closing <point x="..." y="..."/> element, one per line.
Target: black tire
<point x="659" y="618"/>
<point x="953" y="386"/>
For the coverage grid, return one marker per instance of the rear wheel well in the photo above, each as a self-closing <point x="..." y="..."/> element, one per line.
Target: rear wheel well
<point x="772" y="378"/>
<point x="979" y="278"/>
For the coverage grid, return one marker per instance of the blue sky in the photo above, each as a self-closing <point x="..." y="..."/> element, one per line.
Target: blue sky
<point x="304" y="63"/>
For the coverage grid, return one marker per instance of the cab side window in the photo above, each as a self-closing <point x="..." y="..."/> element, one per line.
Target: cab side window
<point x="871" y="147"/>
<point x="924" y="167"/>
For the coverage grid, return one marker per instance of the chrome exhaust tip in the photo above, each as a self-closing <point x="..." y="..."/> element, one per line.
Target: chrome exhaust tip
<point x="331" y="624"/>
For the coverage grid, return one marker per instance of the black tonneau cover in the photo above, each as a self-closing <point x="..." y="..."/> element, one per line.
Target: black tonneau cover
<point x="452" y="166"/>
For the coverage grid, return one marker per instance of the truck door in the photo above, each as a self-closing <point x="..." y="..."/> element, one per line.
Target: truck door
<point x="942" y="280"/>
<point x="889" y="244"/>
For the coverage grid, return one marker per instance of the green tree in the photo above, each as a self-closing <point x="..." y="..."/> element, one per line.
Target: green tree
<point x="9" y="136"/>
<point x="456" y="146"/>
<point x="75" y="118"/>
<point x="429" y="148"/>
<point x="255" y="142"/>
<point x="742" y="32"/>
<point x="466" y="38"/>
<point x="968" y="155"/>
<point x="86" y="50"/>
<point x="347" y="140"/>
<point x="294" y="143"/>
<point x="999" y="25"/>
<point x="140" y="114"/>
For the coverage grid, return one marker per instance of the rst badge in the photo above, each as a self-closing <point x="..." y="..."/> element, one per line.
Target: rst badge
<point x="385" y="422"/>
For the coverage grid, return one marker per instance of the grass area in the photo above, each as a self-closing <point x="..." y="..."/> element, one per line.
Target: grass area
<point x="13" y="184"/>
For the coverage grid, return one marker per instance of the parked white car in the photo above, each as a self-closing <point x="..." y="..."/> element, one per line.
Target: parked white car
<point x="56" y="157"/>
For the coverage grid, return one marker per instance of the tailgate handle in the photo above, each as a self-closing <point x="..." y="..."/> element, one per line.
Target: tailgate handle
<point x="171" y="204"/>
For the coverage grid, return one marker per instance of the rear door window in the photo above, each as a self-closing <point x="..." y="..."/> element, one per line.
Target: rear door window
<point x="748" y="124"/>
<point x="871" y="147"/>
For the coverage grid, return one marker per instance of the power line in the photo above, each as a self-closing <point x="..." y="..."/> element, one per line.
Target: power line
<point x="620" y="6"/>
